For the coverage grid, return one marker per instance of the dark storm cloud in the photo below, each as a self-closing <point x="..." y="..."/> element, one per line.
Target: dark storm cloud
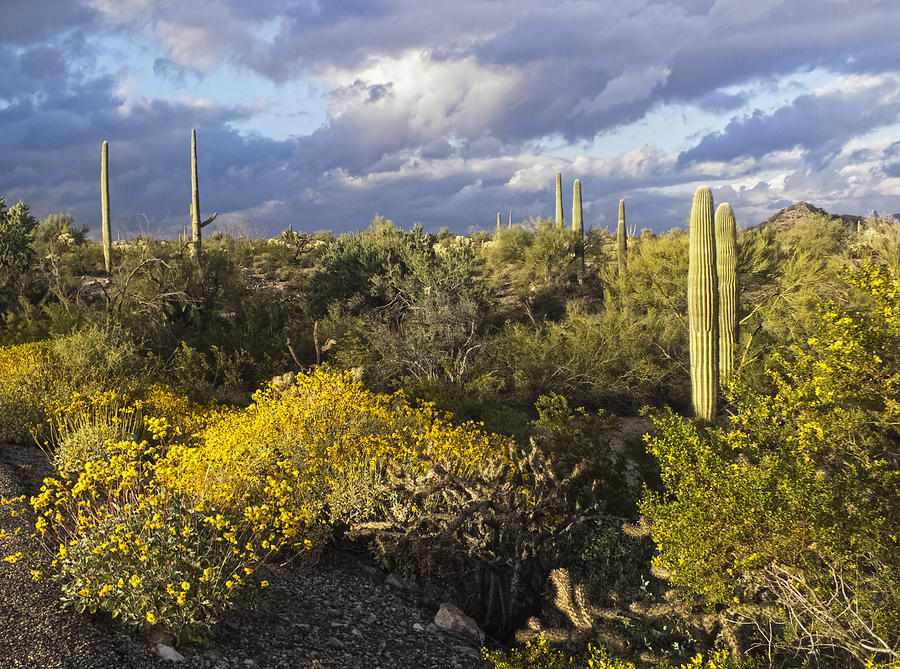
<point x="820" y="124"/>
<point x="436" y="109"/>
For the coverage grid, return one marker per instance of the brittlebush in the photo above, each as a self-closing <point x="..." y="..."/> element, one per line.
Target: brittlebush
<point x="790" y="515"/>
<point x="165" y="529"/>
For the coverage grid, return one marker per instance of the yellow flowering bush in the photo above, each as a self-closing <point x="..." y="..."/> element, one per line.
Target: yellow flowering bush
<point x="791" y="514"/>
<point x="31" y="380"/>
<point x="167" y="527"/>
<point x="321" y="448"/>
<point x="539" y="654"/>
<point x="81" y="428"/>
<point x="126" y="543"/>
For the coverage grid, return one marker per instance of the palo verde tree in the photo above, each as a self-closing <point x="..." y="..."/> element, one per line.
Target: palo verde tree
<point x="16" y="232"/>
<point x="788" y="519"/>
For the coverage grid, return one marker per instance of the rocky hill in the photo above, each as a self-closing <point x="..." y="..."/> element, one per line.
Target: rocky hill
<point x="790" y="216"/>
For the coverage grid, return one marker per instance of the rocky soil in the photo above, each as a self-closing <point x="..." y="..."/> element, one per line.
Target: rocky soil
<point x="339" y="613"/>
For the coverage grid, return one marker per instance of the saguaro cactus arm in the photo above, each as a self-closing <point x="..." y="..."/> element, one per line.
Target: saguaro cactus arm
<point x="703" y="306"/>
<point x="726" y="271"/>
<point x="622" y="240"/>
<point x="560" y="221"/>
<point x="105" y="230"/>
<point x="578" y="230"/>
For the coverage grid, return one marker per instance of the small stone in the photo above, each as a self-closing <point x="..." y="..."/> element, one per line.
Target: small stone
<point x="356" y="632"/>
<point x="372" y="619"/>
<point x="249" y="663"/>
<point x="452" y="620"/>
<point x="395" y="582"/>
<point x="168" y="653"/>
<point x="431" y="628"/>
<point x="418" y="627"/>
<point x="334" y="642"/>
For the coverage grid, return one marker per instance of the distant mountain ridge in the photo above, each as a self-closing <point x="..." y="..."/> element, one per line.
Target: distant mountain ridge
<point x="790" y="216"/>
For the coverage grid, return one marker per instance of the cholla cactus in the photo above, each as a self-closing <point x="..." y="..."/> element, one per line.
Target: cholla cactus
<point x="703" y="306"/>
<point x="196" y="224"/>
<point x="105" y="231"/>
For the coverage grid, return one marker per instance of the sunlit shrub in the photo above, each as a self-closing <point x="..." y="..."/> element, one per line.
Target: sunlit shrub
<point x="126" y="543"/>
<point x="81" y="429"/>
<point x="326" y="443"/>
<point x="789" y="516"/>
<point x="31" y="381"/>
<point x="539" y="654"/>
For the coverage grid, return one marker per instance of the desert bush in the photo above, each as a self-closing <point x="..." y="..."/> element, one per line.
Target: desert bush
<point x="326" y="442"/>
<point x="16" y="233"/>
<point x="539" y="654"/>
<point x="790" y="515"/>
<point x="100" y="355"/>
<point x="125" y="542"/>
<point x="32" y="381"/>
<point x="82" y="429"/>
<point x="609" y="360"/>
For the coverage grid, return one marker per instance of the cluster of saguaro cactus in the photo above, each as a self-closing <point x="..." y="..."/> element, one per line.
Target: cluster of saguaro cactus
<point x="712" y="300"/>
<point x="196" y="223"/>
<point x="105" y="229"/>
<point x="578" y="230"/>
<point x="560" y="221"/>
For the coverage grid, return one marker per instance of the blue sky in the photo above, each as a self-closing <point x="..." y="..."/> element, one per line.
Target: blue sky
<point x="321" y="114"/>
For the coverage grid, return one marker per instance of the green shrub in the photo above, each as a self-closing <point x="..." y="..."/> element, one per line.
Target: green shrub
<point x="790" y="516"/>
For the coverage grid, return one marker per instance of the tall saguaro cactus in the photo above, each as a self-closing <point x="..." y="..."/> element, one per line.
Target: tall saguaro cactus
<point x="105" y="229"/>
<point x="703" y="306"/>
<point x="499" y="226"/>
<point x="196" y="223"/>
<point x="622" y="240"/>
<point x="726" y="270"/>
<point x="578" y="229"/>
<point x="560" y="221"/>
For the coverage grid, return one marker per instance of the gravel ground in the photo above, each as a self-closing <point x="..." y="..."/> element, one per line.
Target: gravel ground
<point x="337" y="614"/>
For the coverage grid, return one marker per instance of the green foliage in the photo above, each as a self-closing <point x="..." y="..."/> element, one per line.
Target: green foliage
<point x="99" y="355"/>
<point x="609" y="360"/>
<point x="791" y="515"/>
<point x="533" y="266"/>
<point x="539" y="654"/>
<point x="16" y="233"/>
<point x="57" y="234"/>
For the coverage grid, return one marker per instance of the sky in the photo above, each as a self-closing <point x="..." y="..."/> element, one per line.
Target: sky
<point x="320" y="114"/>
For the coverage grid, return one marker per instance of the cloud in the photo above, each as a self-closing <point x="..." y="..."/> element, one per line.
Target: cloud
<point x="820" y="122"/>
<point x="447" y="112"/>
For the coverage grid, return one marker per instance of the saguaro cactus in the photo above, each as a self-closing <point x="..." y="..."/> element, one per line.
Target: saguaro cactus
<point x="560" y="221"/>
<point x="726" y="270"/>
<point x="578" y="229"/>
<point x="105" y="230"/>
<point x="499" y="227"/>
<point x="703" y="306"/>
<point x="622" y="239"/>
<point x="196" y="224"/>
